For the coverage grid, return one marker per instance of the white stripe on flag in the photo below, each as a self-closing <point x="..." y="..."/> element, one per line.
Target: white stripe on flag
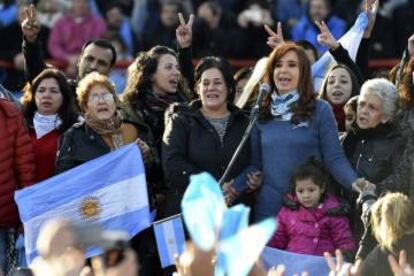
<point x="114" y="200"/>
<point x="171" y="242"/>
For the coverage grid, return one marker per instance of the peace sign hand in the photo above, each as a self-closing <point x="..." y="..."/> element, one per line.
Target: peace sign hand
<point x="30" y="25"/>
<point x="184" y="32"/>
<point x="325" y="37"/>
<point x="275" y="39"/>
<point x="371" y="9"/>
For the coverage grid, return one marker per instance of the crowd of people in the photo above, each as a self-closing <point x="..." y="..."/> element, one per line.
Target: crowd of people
<point x="333" y="166"/>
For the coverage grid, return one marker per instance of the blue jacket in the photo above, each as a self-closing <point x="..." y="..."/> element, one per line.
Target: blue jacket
<point x="307" y="30"/>
<point x="278" y="147"/>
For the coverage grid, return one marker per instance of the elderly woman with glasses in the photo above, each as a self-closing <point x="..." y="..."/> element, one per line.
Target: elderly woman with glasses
<point x="103" y="129"/>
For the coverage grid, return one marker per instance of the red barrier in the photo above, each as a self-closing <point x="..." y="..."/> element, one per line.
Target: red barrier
<point x="374" y="64"/>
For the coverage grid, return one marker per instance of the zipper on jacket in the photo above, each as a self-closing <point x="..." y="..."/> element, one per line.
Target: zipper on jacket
<point x="360" y="156"/>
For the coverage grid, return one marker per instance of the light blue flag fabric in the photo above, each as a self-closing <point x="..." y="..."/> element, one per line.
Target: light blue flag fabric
<point x="203" y="207"/>
<point x="110" y="191"/>
<point x="350" y="41"/>
<point x="238" y="253"/>
<point x="169" y="234"/>
<point x="235" y="219"/>
<point x="294" y="263"/>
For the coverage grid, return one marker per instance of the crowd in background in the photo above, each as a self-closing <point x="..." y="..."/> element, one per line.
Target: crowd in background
<point x="316" y="159"/>
<point x="228" y="28"/>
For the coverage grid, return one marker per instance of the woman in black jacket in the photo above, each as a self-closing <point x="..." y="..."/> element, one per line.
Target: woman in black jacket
<point x="203" y="135"/>
<point x="372" y="145"/>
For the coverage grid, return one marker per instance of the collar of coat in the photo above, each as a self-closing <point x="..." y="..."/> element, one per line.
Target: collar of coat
<point x="341" y="209"/>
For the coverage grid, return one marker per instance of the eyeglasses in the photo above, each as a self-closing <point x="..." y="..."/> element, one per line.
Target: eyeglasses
<point x="106" y="97"/>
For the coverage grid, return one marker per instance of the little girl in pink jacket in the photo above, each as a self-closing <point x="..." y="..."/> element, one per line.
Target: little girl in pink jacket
<point x="312" y="222"/>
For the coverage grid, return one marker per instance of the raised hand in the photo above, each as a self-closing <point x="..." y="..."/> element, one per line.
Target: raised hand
<point x="184" y="32"/>
<point x="275" y="38"/>
<point x="30" y="25"/>
<point x="325" y="37"/>
<point x="341" y="268"/>
<point x="371" y="9"/>
<point x="400" y="268"/>
<point x="410" y="45"/>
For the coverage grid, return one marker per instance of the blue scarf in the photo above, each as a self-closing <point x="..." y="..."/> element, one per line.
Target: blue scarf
<point x="280" y="106"/>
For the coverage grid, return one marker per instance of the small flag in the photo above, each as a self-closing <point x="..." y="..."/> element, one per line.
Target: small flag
<point x="169" y="234"/>
<point x="203" y="208"/>
<point x="238" y="253"/>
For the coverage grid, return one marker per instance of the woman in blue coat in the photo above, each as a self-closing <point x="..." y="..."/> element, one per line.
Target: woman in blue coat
<point x="293" y="125"/>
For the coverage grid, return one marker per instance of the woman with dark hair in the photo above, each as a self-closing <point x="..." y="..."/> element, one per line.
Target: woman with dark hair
<point x="339" y="86"/>
<point x="293" y="126"/>
<point x="203" y="135"/>
<point x="49" y="110"/>
<point x="154" y="82"/>
<point x="405" y="118"/>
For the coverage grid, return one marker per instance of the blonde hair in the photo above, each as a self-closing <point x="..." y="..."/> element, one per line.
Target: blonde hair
<point x="89" y="81"/>
<point x="392" y="218"/>
<point x="252" y="85"/>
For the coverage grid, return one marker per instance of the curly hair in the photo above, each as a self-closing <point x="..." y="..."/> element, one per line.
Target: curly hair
<point x="407" y="87"/>
<point x="67" y="111"/>
<point x="306" y="103"/>
<point x="140" y="74"/>
<point x="86" y="84"/>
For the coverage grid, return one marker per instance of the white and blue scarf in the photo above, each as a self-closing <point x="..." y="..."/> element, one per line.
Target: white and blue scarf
<point x="281" y="105"/>
<point x="43" y="124"/>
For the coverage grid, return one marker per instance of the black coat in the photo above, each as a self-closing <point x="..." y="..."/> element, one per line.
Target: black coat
<point x="81" y="143"/>
<point x="376" y="263"/>
<point x="374" y="153"/>
<point x="191" y="145"/>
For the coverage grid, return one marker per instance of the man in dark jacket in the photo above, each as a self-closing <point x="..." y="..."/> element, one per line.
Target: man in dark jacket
<point x="16" y="171"/>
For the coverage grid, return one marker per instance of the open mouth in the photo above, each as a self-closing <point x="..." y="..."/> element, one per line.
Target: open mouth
<point x="102" y="109"/>
<point x="284" y="81"/>
<point x="337" y="94"/>
<point x="46" y="104"/>
<point x="212" y="96"/>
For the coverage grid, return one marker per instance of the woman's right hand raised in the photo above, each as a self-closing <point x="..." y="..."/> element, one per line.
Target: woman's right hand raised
<point x="184" y="32"/>
<point x="275" y="39"/>
<point x="325" y="37"/>
<point x="30" y="24"/>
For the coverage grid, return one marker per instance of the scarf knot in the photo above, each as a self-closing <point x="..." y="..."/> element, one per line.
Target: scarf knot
<point x="281" y="105"/>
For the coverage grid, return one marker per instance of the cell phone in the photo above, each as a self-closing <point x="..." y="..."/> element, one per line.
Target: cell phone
<point x="112" y="243"/>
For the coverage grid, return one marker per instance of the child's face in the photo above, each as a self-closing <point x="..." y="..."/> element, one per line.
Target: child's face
<point x="350" y="117"/>
<point x="308" y="193"/>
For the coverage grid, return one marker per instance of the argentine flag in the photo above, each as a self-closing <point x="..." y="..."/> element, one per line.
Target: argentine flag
<point x="350" y="41"/>
<point x="169" y="233"/>
<point x="110" y="191"/>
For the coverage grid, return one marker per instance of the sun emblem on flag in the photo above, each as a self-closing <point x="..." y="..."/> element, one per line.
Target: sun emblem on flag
<point x="90" y="208"/>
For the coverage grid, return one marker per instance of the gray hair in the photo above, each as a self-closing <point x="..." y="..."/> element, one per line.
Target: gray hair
<point x="386" y="91"/>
